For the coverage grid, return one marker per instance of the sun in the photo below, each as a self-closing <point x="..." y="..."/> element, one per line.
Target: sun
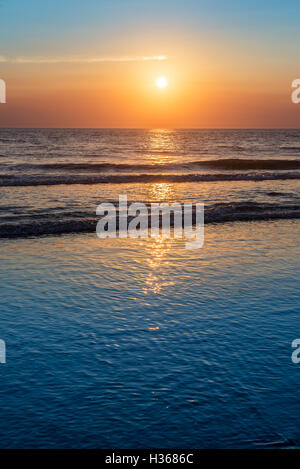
<point x="161" y="82"/>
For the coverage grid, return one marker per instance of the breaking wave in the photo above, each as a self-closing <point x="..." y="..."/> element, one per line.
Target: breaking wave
<point x="225" y="164"/>
<point x="51" y="180"/>
<point x="85" y="222"/>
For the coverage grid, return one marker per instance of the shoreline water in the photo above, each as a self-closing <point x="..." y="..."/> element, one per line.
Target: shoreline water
<point x="176" y="348"/>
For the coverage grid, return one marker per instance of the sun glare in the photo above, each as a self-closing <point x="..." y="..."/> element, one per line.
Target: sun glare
<point x="161" y="82"/>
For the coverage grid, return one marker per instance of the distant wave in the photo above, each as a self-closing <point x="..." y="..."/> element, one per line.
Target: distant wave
<point x="225" y="164"/>
<point x="51" y="180"/>
<point x="84" y="222"/>
<point x="292" y="148"/>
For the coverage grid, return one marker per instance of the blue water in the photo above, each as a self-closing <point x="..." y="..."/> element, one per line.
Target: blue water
<point x="142" y="343"/>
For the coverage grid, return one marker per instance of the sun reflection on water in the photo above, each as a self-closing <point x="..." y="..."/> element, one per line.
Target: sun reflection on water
<point x="161" y="146"/>
<point x="156" y="280"/>
<point x="161" y="191"/>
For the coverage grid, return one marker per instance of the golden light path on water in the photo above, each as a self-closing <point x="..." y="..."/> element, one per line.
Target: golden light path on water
<point x="156" y="252"/>
<point x="161" y="146"/>
<point x="158" y="247"/>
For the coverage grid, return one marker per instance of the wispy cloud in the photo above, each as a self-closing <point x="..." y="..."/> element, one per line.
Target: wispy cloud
<point x="87" y="60"/>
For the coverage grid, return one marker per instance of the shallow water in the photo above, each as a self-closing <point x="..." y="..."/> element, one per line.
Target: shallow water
<point x="142" y="343"/>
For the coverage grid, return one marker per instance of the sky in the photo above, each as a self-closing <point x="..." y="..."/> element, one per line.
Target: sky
<point x="228" y="64"/>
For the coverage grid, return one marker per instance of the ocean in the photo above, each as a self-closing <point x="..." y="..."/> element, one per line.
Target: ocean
<point x="52" y="180"/>
<point x="124" y="343"/>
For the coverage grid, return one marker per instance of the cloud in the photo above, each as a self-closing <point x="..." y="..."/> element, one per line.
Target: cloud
<point x="3" y="59"/>
<point x="86" y="60"/>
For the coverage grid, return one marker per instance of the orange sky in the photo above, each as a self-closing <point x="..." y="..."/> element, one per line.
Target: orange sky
<point x="125" y="95"/>
<point x="225" y="67"/>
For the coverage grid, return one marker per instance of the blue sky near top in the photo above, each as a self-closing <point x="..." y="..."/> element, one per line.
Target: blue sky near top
<point x="108" y="26"/>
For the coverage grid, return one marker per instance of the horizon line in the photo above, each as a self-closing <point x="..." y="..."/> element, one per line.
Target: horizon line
<point x="148" y="128"/>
